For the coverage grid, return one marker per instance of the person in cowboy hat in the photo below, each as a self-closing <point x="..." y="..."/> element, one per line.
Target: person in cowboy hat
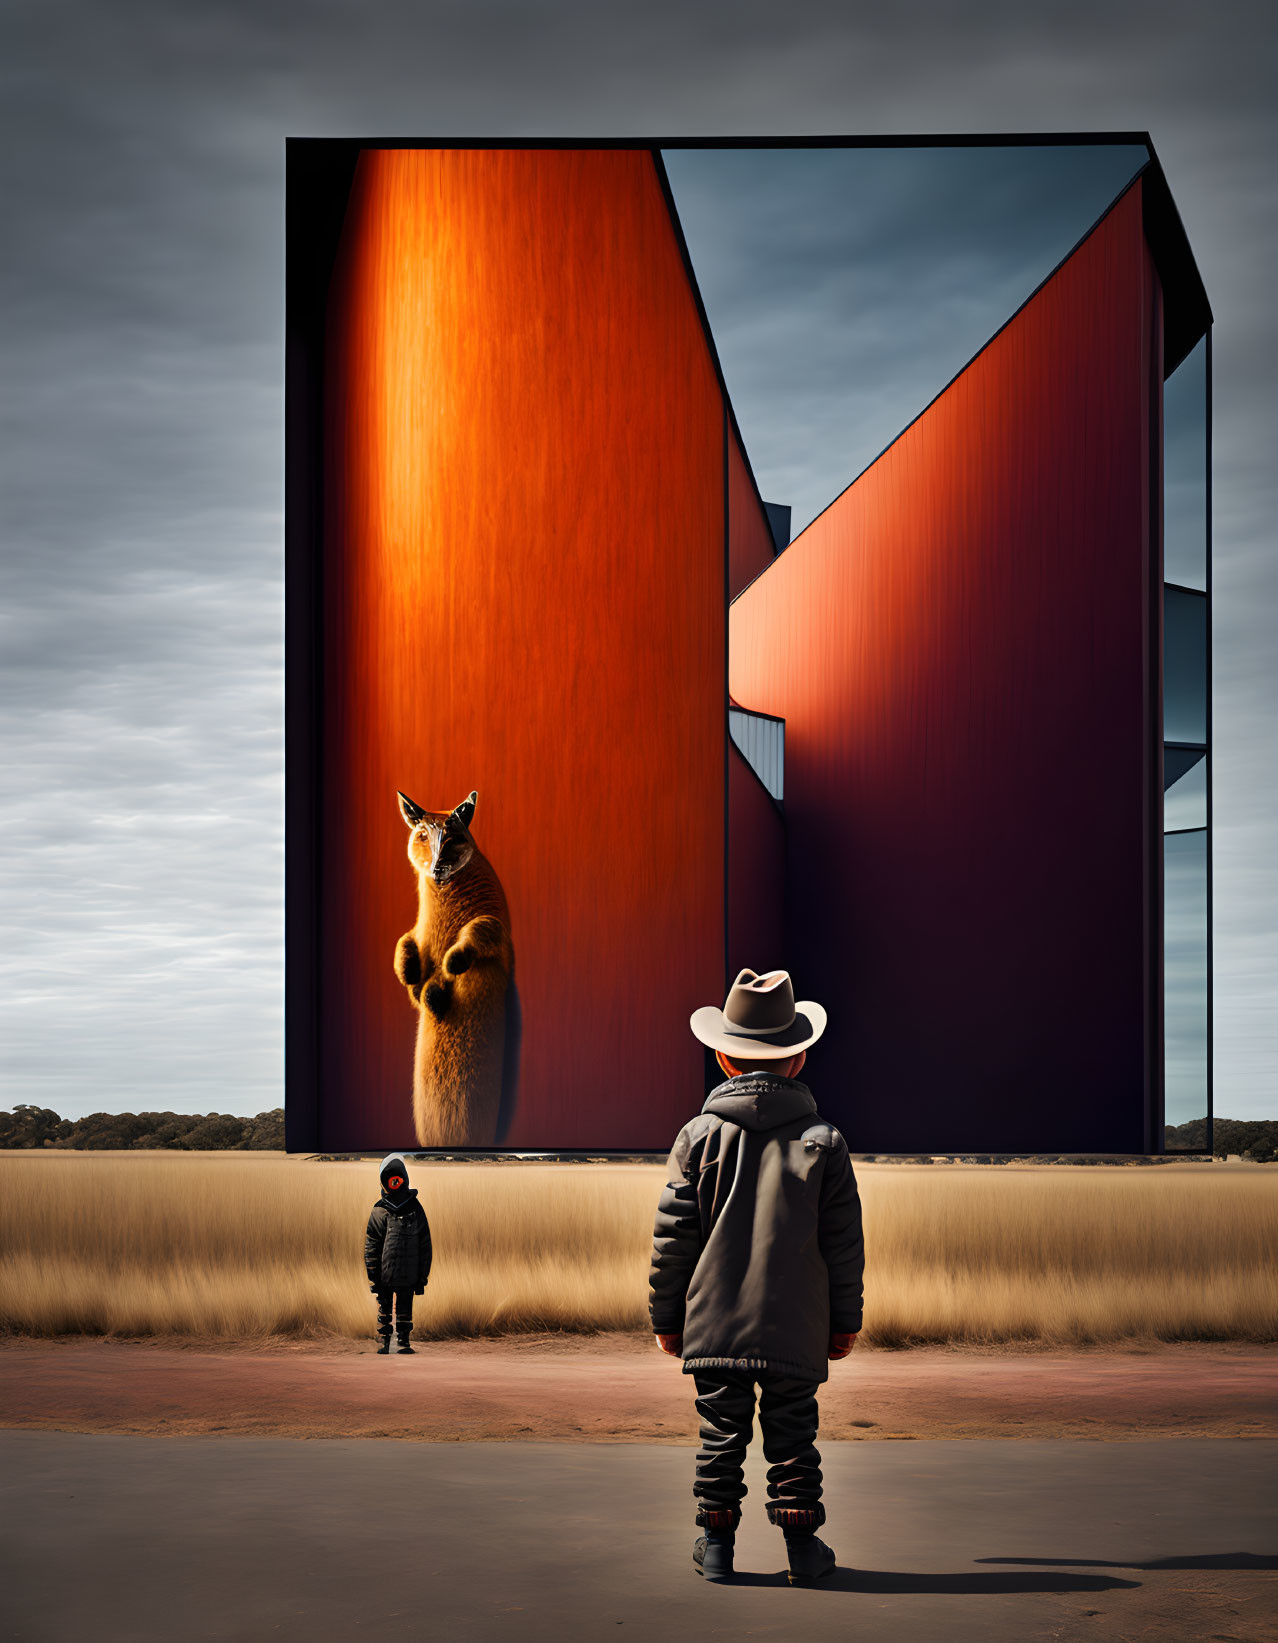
<point x="757" y="1263"/>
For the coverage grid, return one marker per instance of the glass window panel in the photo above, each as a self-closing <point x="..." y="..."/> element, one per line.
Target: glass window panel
<point x="1176" y="761"/>
<point x="1185" y="801"/>
<point x="762" y="742"/>
<point x="1185" y="470"/>
<point x="1184" y="666"/>
<point x="1185" y="982"/>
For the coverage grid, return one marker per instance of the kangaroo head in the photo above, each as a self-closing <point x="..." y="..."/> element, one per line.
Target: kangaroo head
<point x="439" y="843"/>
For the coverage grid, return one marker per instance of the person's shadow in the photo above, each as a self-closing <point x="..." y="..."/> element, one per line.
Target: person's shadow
<point x="958" y="1584"/>
<point x="1036" y="1577"/>
<point x="1207" y="1560"/>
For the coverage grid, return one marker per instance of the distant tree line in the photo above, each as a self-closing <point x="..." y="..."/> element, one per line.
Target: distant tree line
<point x="28" y="1126"/>
<point x="1254" y="1138"/>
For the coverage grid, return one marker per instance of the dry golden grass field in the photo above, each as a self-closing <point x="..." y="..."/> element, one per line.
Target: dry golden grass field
<point x="246" y="1246"/>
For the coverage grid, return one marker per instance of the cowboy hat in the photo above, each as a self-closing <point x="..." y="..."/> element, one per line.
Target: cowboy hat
<point x="760" y="1019"/>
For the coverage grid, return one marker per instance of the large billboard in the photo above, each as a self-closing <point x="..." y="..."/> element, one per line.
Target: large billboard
<point x="575" y="731"/>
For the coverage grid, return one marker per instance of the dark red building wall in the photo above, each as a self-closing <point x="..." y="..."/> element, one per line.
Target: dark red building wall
<point x="523" y="593"/>
<point x="959" y="646"/>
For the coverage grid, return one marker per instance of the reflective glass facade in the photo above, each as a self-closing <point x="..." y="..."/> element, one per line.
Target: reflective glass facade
<point x="1185" y="801"/>
<point x="1184" y="666"/>
<point x="1187" y="1002"/>
<point x="1185" y="979"/>
<point x="1185" y="471"/>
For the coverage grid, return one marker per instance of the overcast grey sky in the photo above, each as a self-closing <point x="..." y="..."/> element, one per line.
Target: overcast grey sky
<point x="141" y="478"/>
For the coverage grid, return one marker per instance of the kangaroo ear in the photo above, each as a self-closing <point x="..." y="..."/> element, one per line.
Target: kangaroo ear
<point x="466" y="809"/>
<point x="412" y="813"/>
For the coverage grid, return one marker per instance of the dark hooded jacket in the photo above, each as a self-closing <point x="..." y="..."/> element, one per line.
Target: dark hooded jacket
<point x="397" y="1252"/>
<point x="757" y="1251"/>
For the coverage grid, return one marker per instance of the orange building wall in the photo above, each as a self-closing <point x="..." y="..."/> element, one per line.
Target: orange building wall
<point x="960" y="648"/>
<point x="523" y="593"/>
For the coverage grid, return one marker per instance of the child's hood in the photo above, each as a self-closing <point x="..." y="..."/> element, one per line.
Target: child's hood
<point x="393" y="1164"/>
<point x="760" y="1101"/>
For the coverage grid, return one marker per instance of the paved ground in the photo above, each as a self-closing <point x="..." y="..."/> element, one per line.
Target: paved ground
<point x="620" y="1388"/>
<point x="140" y="1538"/>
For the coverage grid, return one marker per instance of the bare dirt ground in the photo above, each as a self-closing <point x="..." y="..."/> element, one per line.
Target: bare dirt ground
<point x="620" y="1388"/>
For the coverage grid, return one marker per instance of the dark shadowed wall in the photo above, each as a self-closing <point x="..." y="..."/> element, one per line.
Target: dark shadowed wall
<point x="750" y="544"/>
<point x="756" y="872"/>
<point x="962" y="649"/>
<point x="524" y="593"/>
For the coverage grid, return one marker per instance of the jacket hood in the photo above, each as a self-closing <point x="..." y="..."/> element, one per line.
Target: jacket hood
<point x="760" y="1101"/>
<point x="393" y="1161"/>
<point x="393" y="1164"/>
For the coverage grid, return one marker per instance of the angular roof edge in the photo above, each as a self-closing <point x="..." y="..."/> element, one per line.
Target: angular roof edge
<point x="1186" y="311"/>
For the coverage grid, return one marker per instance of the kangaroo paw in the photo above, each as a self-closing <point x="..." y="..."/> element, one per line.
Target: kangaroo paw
<point x="437" y="999"/>
<point x="409" y="966"/>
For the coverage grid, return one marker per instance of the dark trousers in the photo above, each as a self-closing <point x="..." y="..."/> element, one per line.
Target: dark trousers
<point x="788" y="1420"/>
<point x="403" y="1314"/>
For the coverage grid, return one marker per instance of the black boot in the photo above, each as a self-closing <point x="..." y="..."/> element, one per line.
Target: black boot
<point x="810" y="1559"/>
<point x="402" y="1332"/>
<point x="712" y="1554"/>
<point x="713" y="1550"/>
<point x="384" y="1320"/>
<point x="385" y="1343"/>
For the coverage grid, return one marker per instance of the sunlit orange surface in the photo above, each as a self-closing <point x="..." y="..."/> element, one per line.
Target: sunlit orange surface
<point x="523" y="593"/>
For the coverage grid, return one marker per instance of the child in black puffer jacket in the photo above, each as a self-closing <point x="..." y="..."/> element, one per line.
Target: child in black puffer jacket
<point x="397" y="1252"/>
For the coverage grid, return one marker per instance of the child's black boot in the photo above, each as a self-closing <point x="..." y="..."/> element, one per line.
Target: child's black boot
<point x="713" y="1550"/>
<point x="402" y="1332"/>
<point x="810" y="1559"/>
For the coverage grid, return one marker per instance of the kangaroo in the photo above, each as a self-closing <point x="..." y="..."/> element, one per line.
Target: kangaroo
<point x="457" y="963"/>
